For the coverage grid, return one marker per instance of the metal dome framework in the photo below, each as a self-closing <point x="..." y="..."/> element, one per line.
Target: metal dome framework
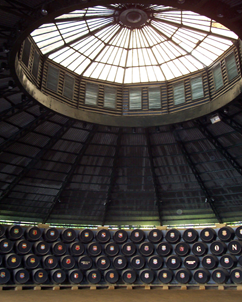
<point x="59" y="170"/>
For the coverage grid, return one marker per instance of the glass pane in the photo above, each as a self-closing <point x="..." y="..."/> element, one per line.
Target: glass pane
<point x="197" y="88"/>
<point x="110" y="97"/>
<point x="52" y="78"/>
<point x="179" y="93"/>
<point x="68" y="86"/>
<point x="135" y="98"/>
<point x="231" y="66"/>
<point x="35" y="69"/>
<point x="154" y="98"/>
<point x="91" y="94"/>
<point x="218" y="77"/>
<point x="26" y="52"/>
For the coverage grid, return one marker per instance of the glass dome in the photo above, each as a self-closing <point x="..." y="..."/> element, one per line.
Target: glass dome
<point x="133" y="43"/>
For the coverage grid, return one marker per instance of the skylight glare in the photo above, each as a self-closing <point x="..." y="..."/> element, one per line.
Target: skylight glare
<point x="106" y="43"/>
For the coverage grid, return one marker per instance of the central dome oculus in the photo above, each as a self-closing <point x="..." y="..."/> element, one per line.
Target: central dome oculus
<point x="132" y="43"/>
<point x="133" y="17"/>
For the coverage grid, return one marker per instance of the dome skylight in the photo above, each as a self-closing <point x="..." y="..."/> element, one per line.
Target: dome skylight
<point x="133" y="43"/>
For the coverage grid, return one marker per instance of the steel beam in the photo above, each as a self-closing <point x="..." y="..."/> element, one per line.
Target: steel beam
<point x="113" y="175"/>
<point x="219" y="146"/>
<point x="15" y="109"/>
<point x="40" y="154"/>
<point x="231" y="122"/>
<point x="26" y="129"/>
<point x="154" y="176"/>
<point x="192" y="166"/>
<point x="71" y="171"/>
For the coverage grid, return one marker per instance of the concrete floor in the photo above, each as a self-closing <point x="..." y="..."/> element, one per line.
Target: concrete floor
<point x="118" y="295"/>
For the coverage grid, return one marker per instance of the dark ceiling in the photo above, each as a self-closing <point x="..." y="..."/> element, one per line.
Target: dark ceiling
<point x="54" y="169"/>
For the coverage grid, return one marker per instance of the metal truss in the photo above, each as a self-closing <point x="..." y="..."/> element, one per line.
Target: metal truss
<point x="113" y="176"/>
<point x="219" y="146"/>
<point x="36" y="159"/>
<point x="154" y="176"/>
<point x="189" y="161"/>
<point x="71" y="171"/>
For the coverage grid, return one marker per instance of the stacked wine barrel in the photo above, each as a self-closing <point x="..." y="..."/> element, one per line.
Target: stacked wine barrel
<point x="32" y="255"/>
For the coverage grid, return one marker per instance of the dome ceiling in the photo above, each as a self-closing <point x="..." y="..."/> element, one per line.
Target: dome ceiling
<point x="59" y="170"/>
<point x="133" y="43"/>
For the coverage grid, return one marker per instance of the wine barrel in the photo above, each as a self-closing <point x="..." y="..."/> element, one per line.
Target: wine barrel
<point x="155" y="262"/>
<point x="173" y="262"/>
<point x="6" y="246"/>
<point x="39" y="276"/>
<point x="75" y="276"/>
<point x="190" y="235"/>
<point x="191" y="262"/>
<point x="146" y="249"/>
<point x="15" y="232"/>
<point x="120" y="236"/>
<point x="4" y="275"/>
<point x="111" y="249"/>
<point x="111" y="276"/>
<point x="68" y="235"/>
<point x="21" y="276"/>
<point x="147" y="276"/>
<point x="12" y="261"/>
<point x="49" y="262"/>
<point x="120" y="262"/>
<point x="208" y="235"/>
<point x="31" y="261"/>
<point x="183" y="275"/>
<point x="165" y="275"/>
<point x="201" y="275"/>
<point x="102" y="262"/>
<point x="103" y="236"/>
<point x="51" y="234"/>
<point x="218" y="248"/>
<point x="137" y="236"/>
<point x="84" y="263"/>
<point x="58" y="276"/>
<point x="77" y="249"/>
<point x="155" y="236"/>
<point x="23" y="247"/>
<point x="164" y="249"/>
<point x="128" y="249"/>
<point x="220" y="275"/>
<point x="137" y="262"/>
<point x="41" y="248"/>
<point x="173" y="236"/>
<point x="86" y="236"/>
<point x="58" y="248"/>
<point x="199" y="249"/>
<point x="210" y="262"/>
<point x="226" y="234"/>
<point x="182" y="249"/>
<point x="228" y="261"/>
<point x="33" y="233"/>
<point x="129" y="276"/>
<point x="93" y="276"/>
<point x="67" y="262"/>
<point x="94" y="249"/>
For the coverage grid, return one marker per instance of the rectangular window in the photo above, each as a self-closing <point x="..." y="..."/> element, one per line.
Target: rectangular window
<point x="26" y="52"/>
<point x="52" y="78"/>
<point x="135" y="98"/>
<point x="68" y="86"/>
<point x="154" y="94"/>
<point x="110" y="96"/>
<point x="35" y="69"/>
<point x="231" y="66"/>
<point x="218" y="77"/>
<point x="91" y="95"/>
<point x="197" y="88"/>
<point x="179" y="93"/>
